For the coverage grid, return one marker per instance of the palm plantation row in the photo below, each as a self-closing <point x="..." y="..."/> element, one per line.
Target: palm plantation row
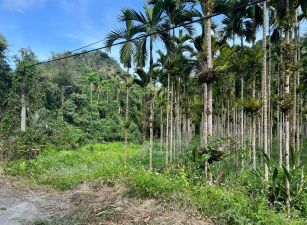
<point x="202" y="81"/>
<point x="217" y="102"/>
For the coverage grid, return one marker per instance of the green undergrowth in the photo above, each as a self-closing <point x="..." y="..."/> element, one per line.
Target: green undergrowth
<point x="66" y="169"/>
<point x="228" y="205"/>
<point x="179" y="184"/>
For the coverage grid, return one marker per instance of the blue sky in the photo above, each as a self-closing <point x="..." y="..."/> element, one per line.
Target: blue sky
<point x="58" y="25"/>
<point x="48" y="26"/>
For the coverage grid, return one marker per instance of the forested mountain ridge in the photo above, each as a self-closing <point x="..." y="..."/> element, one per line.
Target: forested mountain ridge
<point x="78" y="65"/>
<point x="68" y="102"/>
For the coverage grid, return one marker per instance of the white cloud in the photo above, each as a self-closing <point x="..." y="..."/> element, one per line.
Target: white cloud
<point x="75" y="6"/>
<point x="21" y="5"/>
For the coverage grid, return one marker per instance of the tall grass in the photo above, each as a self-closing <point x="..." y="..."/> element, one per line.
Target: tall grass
<point x="183" y="181"/>
<point x="66" y="169"/>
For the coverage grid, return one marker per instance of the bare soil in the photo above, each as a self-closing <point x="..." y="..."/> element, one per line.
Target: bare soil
<point x="90" y="203"/>
<point x="19" y="203"/>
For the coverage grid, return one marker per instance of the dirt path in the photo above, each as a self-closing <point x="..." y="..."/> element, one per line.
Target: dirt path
<point x="20" y="204"/>
<point x="89" y="204"/>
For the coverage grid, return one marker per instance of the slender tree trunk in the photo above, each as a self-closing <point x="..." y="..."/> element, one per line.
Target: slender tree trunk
<point x="209" y="86"/>
<point x="210" y="68"/>
<point x="151" y="116"/>
<point x="167" y="120"/>
<point x="264" y="91"/>
<point x="184" y="129"/>
<point x="205" y="125"/>
<point x="171" y="122"/>
<point x="127" y="116"/>
<point x="228" y="118"/>
<point x="161" y="129"/>
<point x="237" y="132"/>
<point x="179" y="124"/>
<point x="281" y="131"/>
<point x="270" y="108"/>
<point x="23" y="112"/>
<point x="242" y="98"/>
<point x="298" y="99"/>
<point x="259" y="133"/>
<point x="118" y="100"/>
<point x="287" y="119"/>
<point x="294" y="93"/>
<point x="253" y="121"/>
<point x="175" y="126"/>
<point x="205" y="120"/>
<point x="280" y="121"/>
<point x="144" y="103"/>
<point x="187" y="131"/>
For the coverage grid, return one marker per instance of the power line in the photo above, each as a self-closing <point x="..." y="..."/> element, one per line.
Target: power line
<point x="153" y="33"/>
<point x="94" y="43"/>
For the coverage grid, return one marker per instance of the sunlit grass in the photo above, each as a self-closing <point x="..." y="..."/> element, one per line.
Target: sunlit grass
<point x="105" y="162"/>
<point x="65" y="169"/>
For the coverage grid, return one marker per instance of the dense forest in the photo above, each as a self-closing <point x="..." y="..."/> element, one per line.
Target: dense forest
<point x="196" y="114"/>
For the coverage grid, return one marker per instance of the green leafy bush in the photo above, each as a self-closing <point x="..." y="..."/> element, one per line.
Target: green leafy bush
<point x="152" y="184"/>
<point x="30" y="143"/>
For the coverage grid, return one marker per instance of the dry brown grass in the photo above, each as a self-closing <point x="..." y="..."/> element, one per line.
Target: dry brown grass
<point x="102" y="204"/>
<point x="97" y="204"/>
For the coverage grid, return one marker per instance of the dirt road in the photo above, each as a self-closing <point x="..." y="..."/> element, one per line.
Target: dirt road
<point x="20" y="204"/>
<point x="90" y="204"/>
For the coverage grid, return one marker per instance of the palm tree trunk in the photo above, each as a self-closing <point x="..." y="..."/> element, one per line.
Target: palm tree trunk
<point x="205" y="125"/>
<point x="264" y="91"/>
<point x="280" y="139"/>
<point x="127" y="116"/>
<point x="299" y="105"/>
<point x="161" y="129"/>
<point x="175" y="126"/>
<point x="184" y="134"/>
<point x="298" y="108"/>
<point x="270" y="108"/>
<point x="253" y="122"/>
<point x="294" y="93"/>
<point x="228" y="118"/>
<point x="179" y="124"/>
<point x="242" y="97"/>
<point x="205" y="120"/>
<point x="210" y="68"/>
<point x="209" y="85"/>
<point x="237" y="132"/>
<point x="151" y="116"/>
<point x="167" y="120"/>
<point x="287" y="120"/>
<point x="171" y="122"/>
<point x="280" y="120"/>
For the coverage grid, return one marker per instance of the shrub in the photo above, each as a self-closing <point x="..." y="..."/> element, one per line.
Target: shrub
<point x="152" y="184"/>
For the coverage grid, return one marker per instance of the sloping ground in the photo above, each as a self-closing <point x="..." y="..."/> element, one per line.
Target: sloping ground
<point x="88" y="204"/>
